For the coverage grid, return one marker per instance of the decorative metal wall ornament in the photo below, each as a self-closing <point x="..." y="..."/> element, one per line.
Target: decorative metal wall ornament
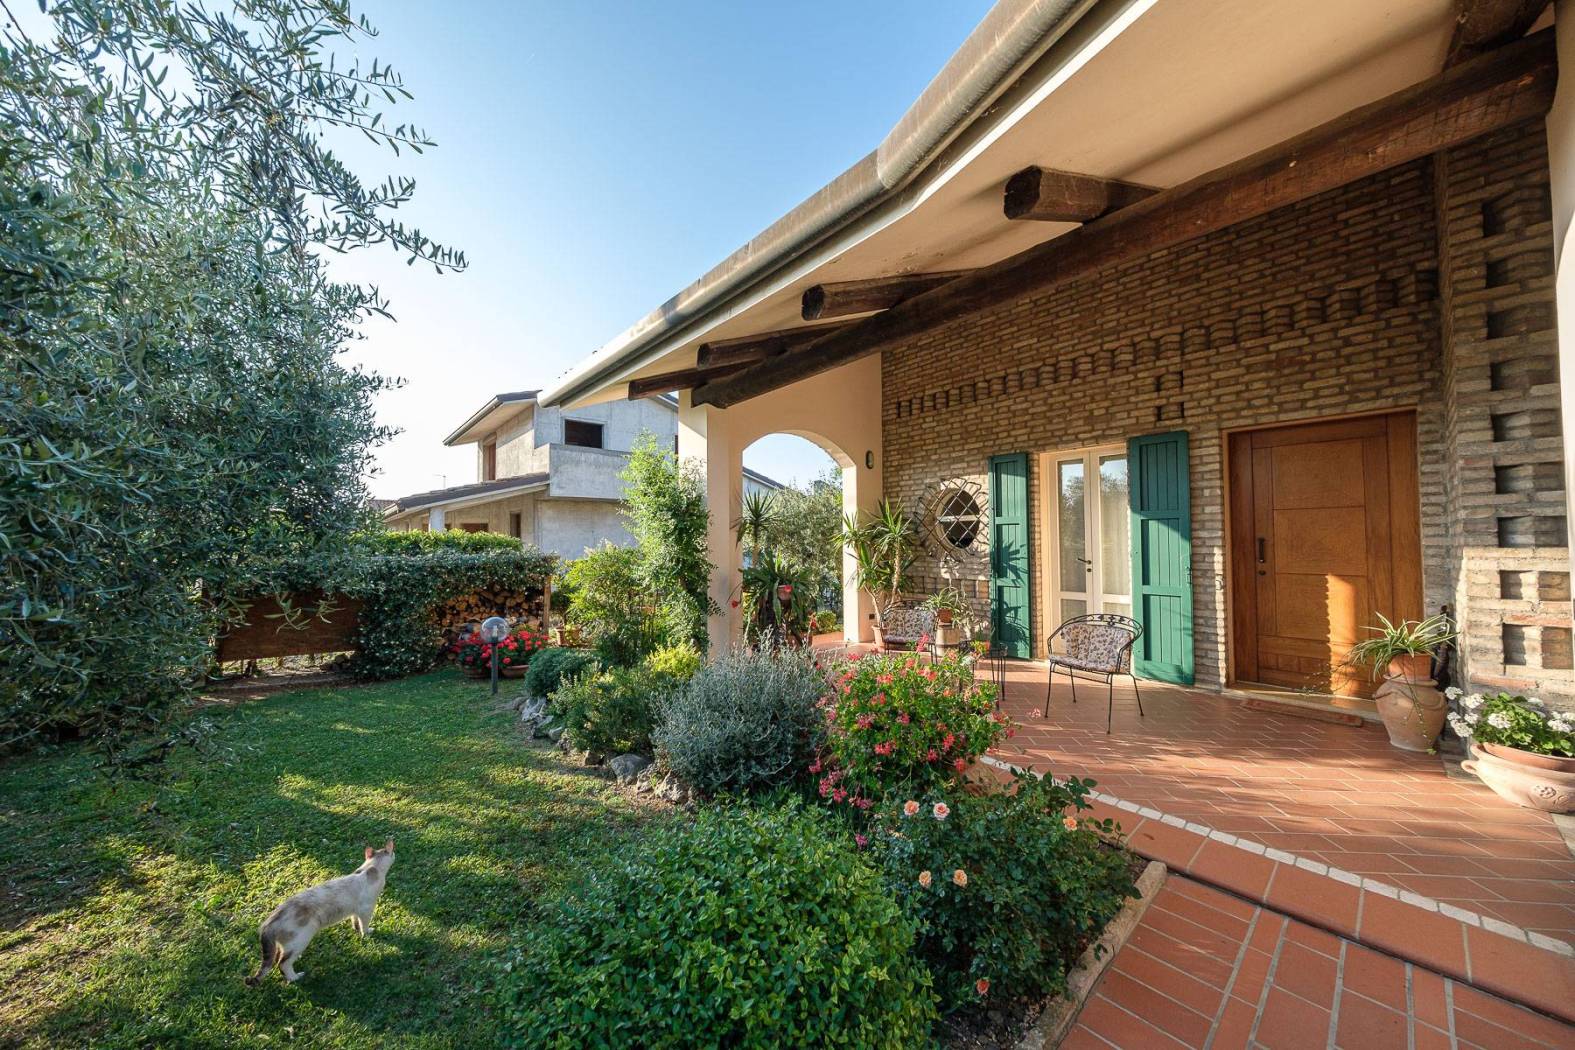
<point x="954" y="519"/>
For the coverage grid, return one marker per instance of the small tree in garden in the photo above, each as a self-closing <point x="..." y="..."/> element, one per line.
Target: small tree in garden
<point x="174" y="415"/>
<point x="612" y="605"/>
<point x="666" y="508"/>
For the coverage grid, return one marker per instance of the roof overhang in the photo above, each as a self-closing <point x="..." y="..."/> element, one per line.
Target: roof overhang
<point x="1121" y="89"/>
<point x="426" y="501"/>
<point x="498" y="410"/>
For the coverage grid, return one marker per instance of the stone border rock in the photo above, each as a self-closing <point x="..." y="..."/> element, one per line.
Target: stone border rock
<point x="1059" y="1014"/>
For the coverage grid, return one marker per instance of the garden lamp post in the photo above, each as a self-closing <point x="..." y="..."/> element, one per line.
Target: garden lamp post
<point x="493" y="630"/>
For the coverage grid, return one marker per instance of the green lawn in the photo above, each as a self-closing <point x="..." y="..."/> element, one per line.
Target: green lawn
<point x="128" y="915"/>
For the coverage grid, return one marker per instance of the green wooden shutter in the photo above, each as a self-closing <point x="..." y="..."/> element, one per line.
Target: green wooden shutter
<point x="1161" y="555"/>
<point x="1009" y="553"/>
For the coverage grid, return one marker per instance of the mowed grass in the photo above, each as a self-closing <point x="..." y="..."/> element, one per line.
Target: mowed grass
<point x="129" y="913"/>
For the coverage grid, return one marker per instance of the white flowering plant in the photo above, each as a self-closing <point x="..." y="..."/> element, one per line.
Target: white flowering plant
<point x="1513" y="721"/>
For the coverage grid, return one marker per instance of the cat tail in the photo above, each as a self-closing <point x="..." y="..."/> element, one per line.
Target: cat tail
<point x="270" y="955"/>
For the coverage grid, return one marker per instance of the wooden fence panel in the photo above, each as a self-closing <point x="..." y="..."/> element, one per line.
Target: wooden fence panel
<point x="268" y="632"/>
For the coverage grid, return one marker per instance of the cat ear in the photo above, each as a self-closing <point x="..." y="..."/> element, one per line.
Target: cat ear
<point x="369" y="853"/>
<point x="389" y="846"/>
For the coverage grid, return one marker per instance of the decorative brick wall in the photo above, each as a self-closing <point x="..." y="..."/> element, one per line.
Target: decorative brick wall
<point x="1509" y="561"/>
<point x="1326" y="308"/>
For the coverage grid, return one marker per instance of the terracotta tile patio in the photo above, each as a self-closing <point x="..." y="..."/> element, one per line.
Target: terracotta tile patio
<point x="1333" y="794"/>
<point x="1205" y="969"/>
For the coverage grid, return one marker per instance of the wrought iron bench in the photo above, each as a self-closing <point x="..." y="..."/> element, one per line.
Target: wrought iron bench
<point x="1097" y="644"/>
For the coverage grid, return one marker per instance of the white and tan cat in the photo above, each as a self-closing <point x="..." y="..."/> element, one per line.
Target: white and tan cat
<point x="286" y="933"/>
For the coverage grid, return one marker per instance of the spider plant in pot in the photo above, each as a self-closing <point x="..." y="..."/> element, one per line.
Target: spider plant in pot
<point x="949" y="606"/>
<point x="1409" y="702"/>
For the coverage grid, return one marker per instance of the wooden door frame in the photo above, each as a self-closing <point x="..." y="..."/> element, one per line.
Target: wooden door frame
<point x="1405" y="502"/>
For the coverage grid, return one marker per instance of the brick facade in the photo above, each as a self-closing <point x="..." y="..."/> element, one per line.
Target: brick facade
<point x="1331" y="307"/>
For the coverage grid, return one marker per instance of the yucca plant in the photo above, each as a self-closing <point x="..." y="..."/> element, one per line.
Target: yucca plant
<point x="883" y="548"/>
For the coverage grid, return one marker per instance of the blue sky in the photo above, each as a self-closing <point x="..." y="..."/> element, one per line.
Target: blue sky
<point x="593" y="158"/>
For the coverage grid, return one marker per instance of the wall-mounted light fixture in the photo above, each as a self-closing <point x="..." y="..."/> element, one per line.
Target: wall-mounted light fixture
<point x="869" y="459"/>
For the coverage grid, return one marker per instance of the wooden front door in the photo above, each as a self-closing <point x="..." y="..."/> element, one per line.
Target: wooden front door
<point x="1325" y="536"/>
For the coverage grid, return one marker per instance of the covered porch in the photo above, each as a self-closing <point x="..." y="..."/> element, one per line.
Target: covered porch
<point x="1321" y="821"/>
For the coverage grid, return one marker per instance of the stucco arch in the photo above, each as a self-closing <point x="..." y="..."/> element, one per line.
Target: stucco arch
<point x="839" y="411"/>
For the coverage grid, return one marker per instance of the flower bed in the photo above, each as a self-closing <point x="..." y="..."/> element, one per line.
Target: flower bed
<point x="899" y="725"/>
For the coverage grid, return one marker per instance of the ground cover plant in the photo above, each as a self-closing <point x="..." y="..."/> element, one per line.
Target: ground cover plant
<point x="129" y="913"/>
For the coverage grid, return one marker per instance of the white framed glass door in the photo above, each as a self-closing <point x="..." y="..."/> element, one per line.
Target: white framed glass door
<point x="1089" y="514"/>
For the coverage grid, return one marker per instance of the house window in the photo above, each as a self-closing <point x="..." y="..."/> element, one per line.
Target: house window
<point x="516" y="525"/>
<point x="473" y="526"/>
<point x="586" y="435"/>
<point x="489" y="461"/>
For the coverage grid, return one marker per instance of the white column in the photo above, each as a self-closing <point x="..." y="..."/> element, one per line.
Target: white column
<point x="1561" y="172"/>
<point x="861" y="492"/>
<point x="704" y="437"/>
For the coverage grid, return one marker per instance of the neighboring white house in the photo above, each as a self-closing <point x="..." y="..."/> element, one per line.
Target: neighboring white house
<point x="548" y="476"/>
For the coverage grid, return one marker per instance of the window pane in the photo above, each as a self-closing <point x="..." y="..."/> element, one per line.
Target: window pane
<point x="579" y="432"/>
<point x="1072" y="607"/>
<point x="1071" y="530"/>
<point x="1116" y="564"/>
<point x="1123" y="608"/>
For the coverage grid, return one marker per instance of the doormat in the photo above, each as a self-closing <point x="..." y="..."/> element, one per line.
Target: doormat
<point x="1339" y="718"/>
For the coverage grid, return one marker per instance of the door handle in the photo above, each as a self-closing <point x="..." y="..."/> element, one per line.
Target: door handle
<point x="1261" y="557"/>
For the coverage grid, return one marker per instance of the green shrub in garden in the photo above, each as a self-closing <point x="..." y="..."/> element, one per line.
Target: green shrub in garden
<point x="612" y="605"/>
<point x="613" y="712"/>
<point x="1005" y="888"/>
<point x="550" y="668"/>
<point x="749" y="721"/>
<point x="753" y="926"/>
<point x="899" y="724"/>
<point x="679" y="662"/>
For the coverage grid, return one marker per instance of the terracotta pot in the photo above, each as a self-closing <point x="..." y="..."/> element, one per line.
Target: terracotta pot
<point x="512" y="671"/>
<point x="1417" y="667"/>
<point x="1542" y="782"/>
<point x="944" y="617"/>
<point x="476" y="672"/>
<point x="1410" y="704"/>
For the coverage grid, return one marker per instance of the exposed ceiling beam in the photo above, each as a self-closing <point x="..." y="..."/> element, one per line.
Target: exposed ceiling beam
<point x="748" y="349"/>
<point x="841" y="298"/>
<point x="679" y="379"/>
<point x="1482" y="25"/>
<point x="1502" y="87"/>
<point x="1062" y="196"/>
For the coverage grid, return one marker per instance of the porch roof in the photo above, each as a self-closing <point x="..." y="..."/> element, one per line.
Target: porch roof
<point x="1135" y="91"/>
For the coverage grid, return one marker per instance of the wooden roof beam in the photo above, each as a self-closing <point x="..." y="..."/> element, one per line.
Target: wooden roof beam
<point x="1482" y="25"/>
<point x="1062" y="196"/>
<point x="749" y="349"/>
<point x="679" y="379"/>
<point x="841" y="298"/>
<point x="1498" y="89"/>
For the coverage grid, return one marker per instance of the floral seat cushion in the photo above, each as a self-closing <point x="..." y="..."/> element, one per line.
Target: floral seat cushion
<point x="906" y="625"/>
<point x="1101" y="647"/>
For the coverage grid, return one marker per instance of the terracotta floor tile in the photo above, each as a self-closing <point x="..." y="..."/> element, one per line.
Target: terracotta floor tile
<point x="1243" y="873"/>
<point x="1290" y="1023"/>
<point x="1309" y="974"/>
<point x="1378" y="977"/>
<point x="1515" y="969"/>
<point x="1158" y="1006"/>
<point x="1303" y="893"/>
<point x="1123" y="1029"/>
<point x="1412" y="933"/>
<point x="1183" y="956"/>
<point x="1426" y="1038"/>
<point x="1175" y="983"/>
<point x="1233" y="1027"/>
<point x="1428" y="998"/>
<point x="1365" y="1025"/>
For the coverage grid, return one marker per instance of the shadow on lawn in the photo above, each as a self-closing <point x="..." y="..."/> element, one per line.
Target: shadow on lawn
<point x="483" y="824"/>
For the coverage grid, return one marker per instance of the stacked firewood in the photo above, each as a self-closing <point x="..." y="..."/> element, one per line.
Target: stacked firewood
<point x="522" y="608"/>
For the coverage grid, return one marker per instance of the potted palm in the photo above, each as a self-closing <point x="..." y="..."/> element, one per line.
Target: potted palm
<point x="1519" y="748"/>
<point x="883" y="547"/>
<point x="1409" y="702"/>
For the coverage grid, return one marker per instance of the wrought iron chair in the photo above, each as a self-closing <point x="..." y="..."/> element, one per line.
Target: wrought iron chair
<point x="904" y="626"/>
<point x="1098" y="644"/>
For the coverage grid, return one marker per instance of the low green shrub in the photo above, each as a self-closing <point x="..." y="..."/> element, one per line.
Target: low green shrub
<point x="749" y="721"/>
<point x="612" y="605"/>
<point x="898" y="724"/>
<point x="613" y="712"/>
<point x="550" y="668"/>
<point x="753" y="926"/>
<point x="1005" y="888"/>
<point x="679" y="662"/>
